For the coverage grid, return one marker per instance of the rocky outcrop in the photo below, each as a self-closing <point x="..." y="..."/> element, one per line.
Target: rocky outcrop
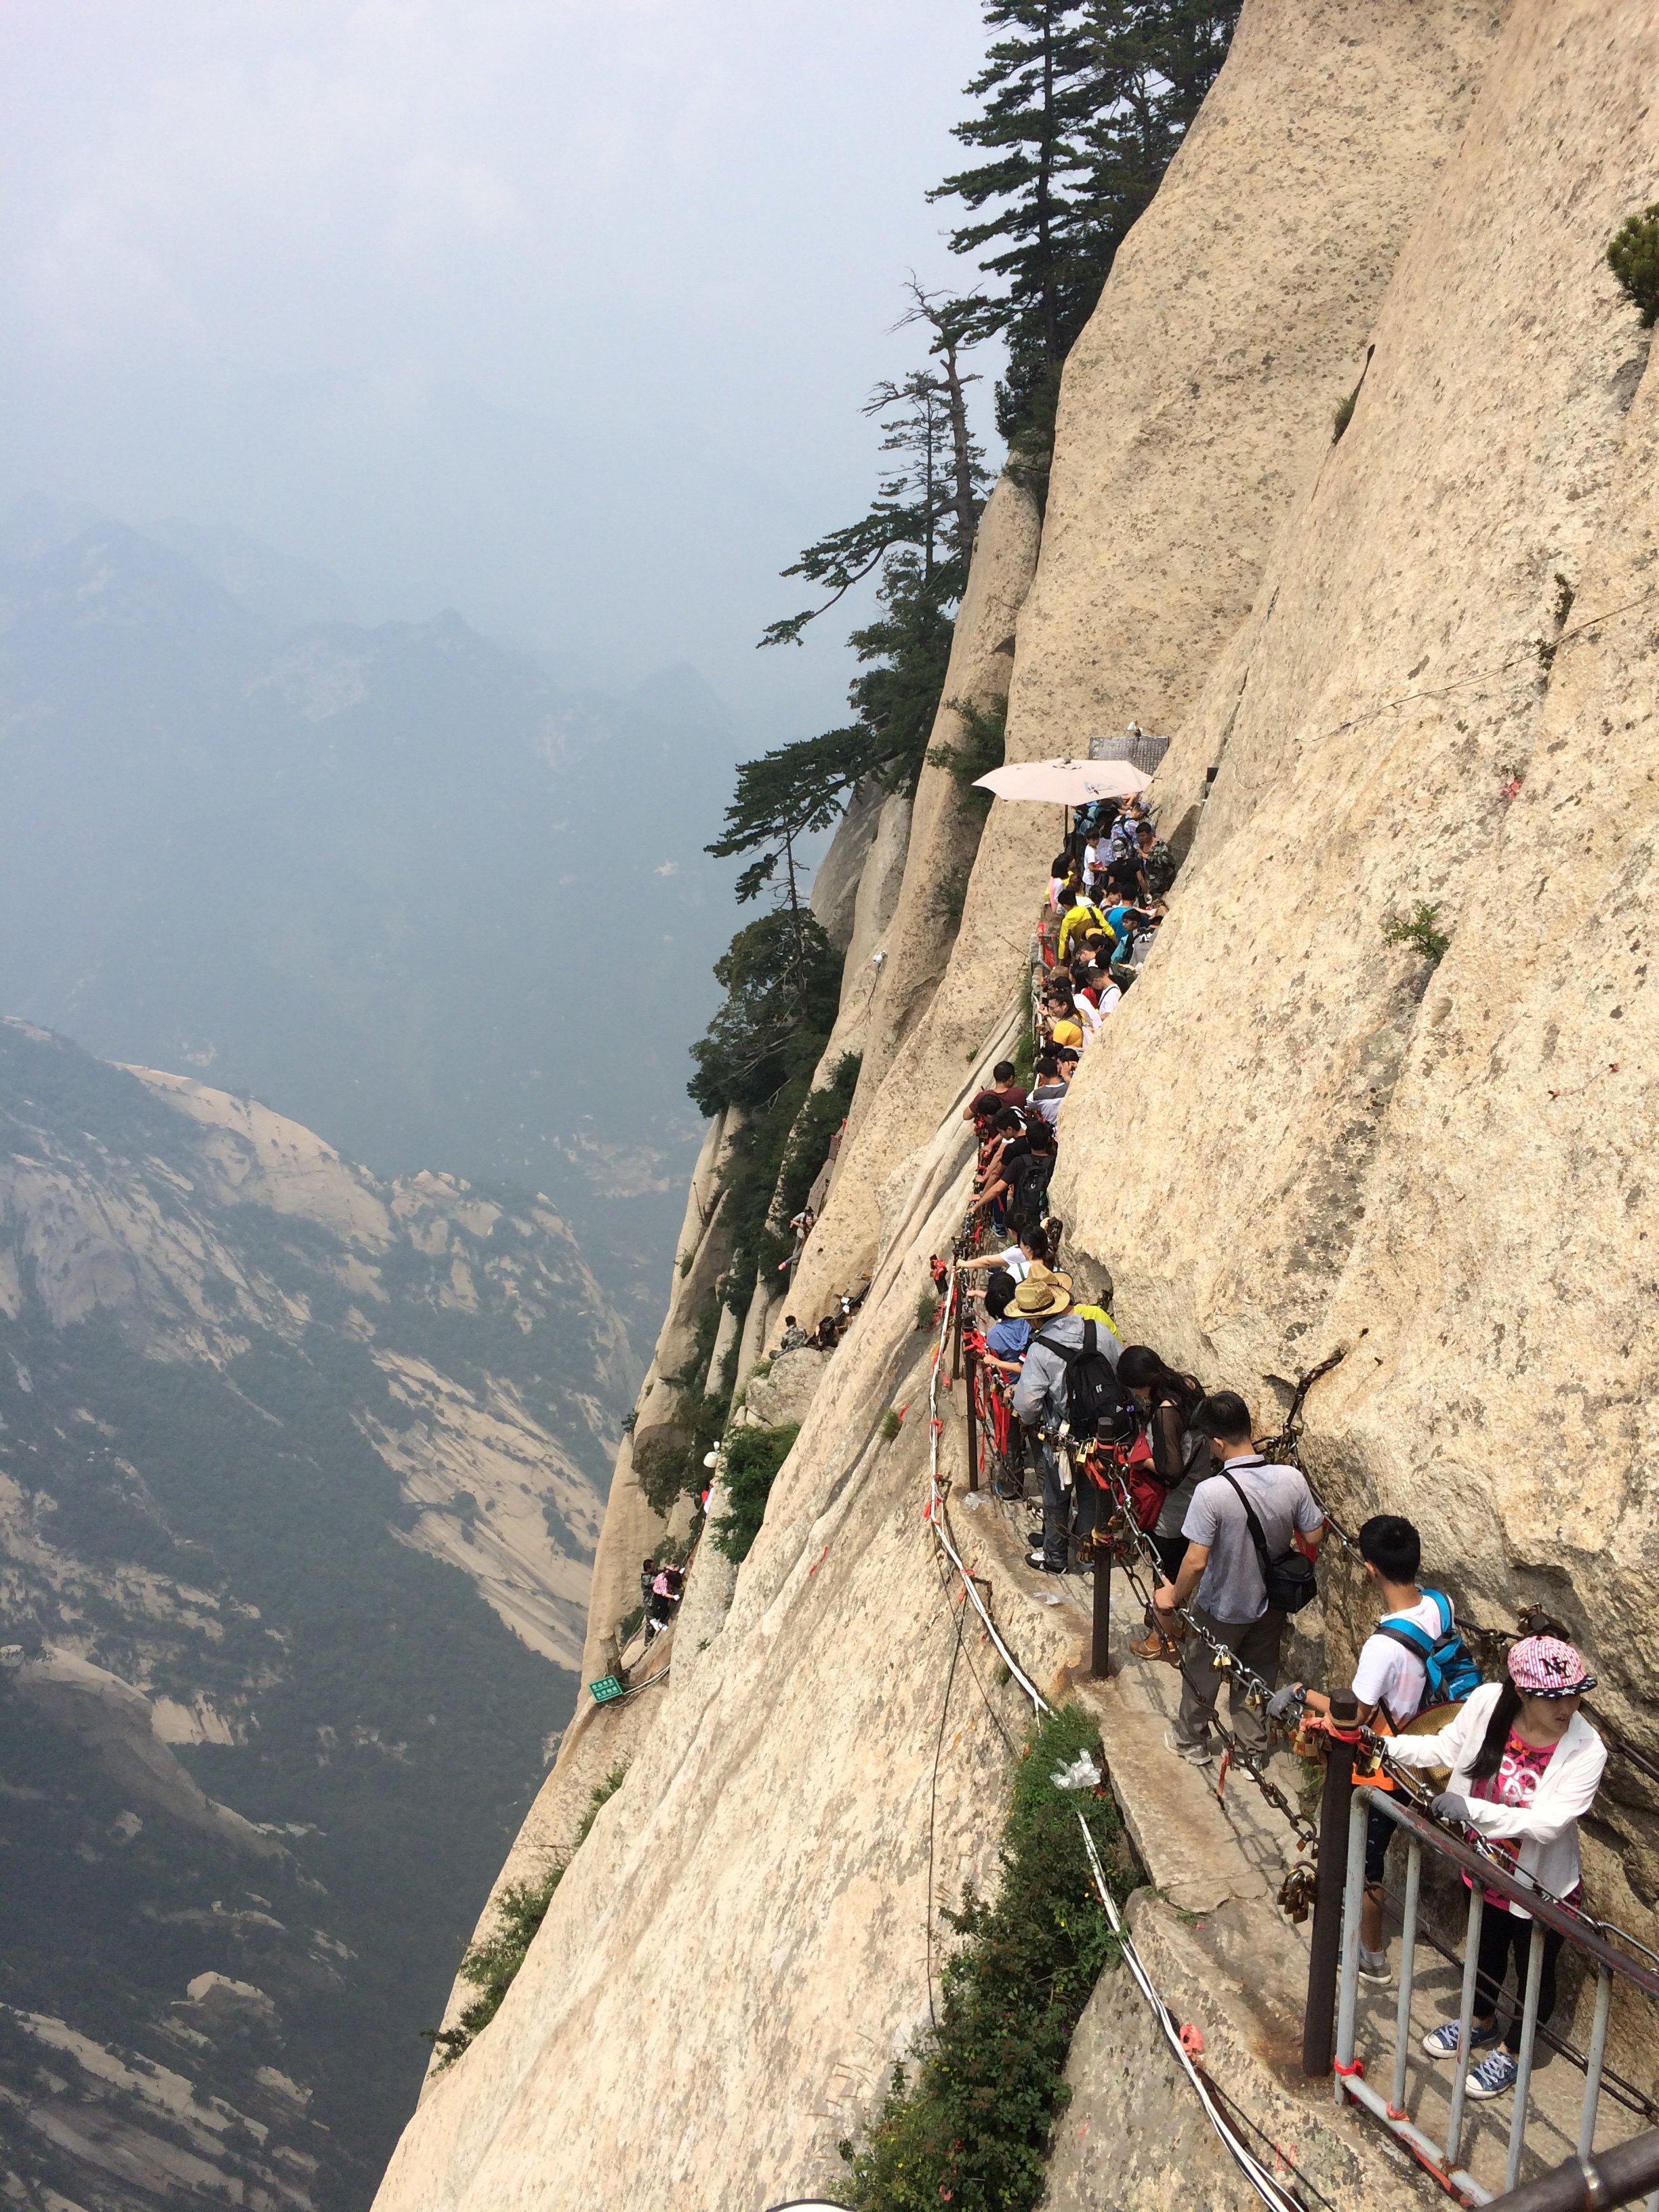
<point x="878" y="886"/>
<point x="1415" y="665"/>
<point x="1447" y="697"/>
<point x="1194" y="410"/>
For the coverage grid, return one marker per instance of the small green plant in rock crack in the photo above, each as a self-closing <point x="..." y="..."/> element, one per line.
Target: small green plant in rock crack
<point x="926" y="1308"/>
<point x="1344" y="415"/>
<point x="1419" y="930"/>
<point x="891" y="1423"/>
<point x="1633" y="257"/>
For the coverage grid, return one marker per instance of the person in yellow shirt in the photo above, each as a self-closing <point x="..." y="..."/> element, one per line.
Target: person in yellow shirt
<point x="1079" y="917"/>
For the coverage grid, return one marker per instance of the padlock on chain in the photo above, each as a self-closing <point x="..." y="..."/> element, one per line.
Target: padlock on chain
<point x="1222" y="1663"/>
<point x="1296" y="1892"/>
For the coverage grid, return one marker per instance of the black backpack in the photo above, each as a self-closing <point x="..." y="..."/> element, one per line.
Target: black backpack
<point x="1028" y="1178"/>
<point x="1096" y="1403"/>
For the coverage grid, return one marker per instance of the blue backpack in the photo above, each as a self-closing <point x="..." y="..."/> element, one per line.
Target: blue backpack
<point x="1451" y="1673"/>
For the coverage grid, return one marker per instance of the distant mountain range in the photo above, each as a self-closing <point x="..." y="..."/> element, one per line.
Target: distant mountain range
<point x="395" y="881"/>
<point x="301" y="1474"/>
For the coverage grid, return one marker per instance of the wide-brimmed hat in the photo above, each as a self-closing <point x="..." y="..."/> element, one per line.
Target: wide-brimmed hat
<point x="1042" y="1295"/>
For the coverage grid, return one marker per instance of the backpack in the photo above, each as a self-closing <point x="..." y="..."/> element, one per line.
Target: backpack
<point x="1097" y="1404"/>
<point x="1028" y="1186"/>
<point x="1446" y="1662"/>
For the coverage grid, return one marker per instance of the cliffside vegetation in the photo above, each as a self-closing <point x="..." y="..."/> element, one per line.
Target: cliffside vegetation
<point x="1082" y="109"/>
<point x="752" y="1459"/>
<point x="492" y="1965"/>
<point x="968" y="2122"/>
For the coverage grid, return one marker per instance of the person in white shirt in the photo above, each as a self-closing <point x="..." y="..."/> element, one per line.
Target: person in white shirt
<point x="1525" y="1768"/>
<point x="1032" y="1251"/>
<point x="1392" y="1681"/>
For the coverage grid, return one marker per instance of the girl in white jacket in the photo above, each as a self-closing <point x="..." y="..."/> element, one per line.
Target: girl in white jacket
<point x="1525" y="1766"/>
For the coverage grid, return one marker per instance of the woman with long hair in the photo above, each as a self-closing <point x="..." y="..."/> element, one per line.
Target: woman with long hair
<point x="1525" y="1768"/>
<point x="1167" y="1401"/>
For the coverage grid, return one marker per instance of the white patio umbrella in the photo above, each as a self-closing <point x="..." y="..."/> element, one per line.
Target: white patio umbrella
<point x="1064" y="782"/>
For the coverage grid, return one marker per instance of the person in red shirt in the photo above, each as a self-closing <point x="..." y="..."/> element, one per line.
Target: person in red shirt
<point x="1005" y="1092"/>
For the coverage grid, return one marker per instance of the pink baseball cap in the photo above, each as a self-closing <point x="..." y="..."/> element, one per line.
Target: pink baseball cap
<point x="1545" y="1667"/>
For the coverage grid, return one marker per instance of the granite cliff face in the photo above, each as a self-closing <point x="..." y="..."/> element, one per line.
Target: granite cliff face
<point x="1417" y="665"/>
<point x="300" y="1474"/>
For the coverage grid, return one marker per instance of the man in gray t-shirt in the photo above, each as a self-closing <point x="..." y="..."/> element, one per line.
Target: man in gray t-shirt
<point x="1220" y="1578"/>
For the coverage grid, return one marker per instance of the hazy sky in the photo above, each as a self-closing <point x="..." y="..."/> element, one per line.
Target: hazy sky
<point x="557" y="314"/>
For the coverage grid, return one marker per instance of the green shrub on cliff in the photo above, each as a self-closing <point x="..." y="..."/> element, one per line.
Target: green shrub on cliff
<point x="1420" y="930"/>
<point x="753" y="1457"/>
<point x="967" y="2123"/>
<point x="1633" y="257"/>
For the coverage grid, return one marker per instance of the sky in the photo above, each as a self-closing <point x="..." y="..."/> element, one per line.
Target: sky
<point x="558" y="315"/>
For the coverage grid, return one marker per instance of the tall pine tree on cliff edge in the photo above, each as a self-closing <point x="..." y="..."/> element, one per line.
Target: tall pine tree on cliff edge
<point x="1084" y="103"/>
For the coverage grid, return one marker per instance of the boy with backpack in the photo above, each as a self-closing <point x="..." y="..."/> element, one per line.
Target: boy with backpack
<point x="1414" y="1658"/>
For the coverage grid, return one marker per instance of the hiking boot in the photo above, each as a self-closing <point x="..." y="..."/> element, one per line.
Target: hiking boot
<point x="1195" y="1754"/>
<point x="1044" y="1565"/>
<point x="1374" y="1968"/>
<point x="1492" y="2076"/>
<point x="1442" y="2042"/>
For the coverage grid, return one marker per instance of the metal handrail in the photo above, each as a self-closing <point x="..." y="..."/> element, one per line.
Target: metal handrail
<point x="1344" y="1816"/>
<point x="1538" y="1904"/>
<point x="1620" y="2176"/>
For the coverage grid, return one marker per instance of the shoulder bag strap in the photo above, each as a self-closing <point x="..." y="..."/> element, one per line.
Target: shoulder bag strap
<point x="1256" y="1536"/>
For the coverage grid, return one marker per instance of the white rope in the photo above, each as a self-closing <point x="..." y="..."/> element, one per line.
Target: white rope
<point x="936" y="1509"/>
<point x="1255" y="2173"/>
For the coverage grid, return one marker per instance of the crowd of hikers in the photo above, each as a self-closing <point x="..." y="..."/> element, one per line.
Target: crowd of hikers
<point x="1098" y="1433"/>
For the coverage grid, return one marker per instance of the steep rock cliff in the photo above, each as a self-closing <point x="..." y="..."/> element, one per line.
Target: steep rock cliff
<point x="1293" y="1138"/>
<point x="1444" y="695"/>
<point x="1193" y="408"/>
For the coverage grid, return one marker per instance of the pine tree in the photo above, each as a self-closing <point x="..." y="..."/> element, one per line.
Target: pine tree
<point x="1038" y="94"/>
<point x="928" y="500"/>
<point x="1154" y="63"/>
<point x="1085" y="104"/>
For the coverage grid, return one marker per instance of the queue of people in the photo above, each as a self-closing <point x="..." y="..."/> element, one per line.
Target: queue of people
<point x="1236" y="1537"/>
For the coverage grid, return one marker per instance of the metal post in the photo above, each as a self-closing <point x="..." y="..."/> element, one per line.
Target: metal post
<point x="1353" y="1897"/>
<point x="972" y="1422"/>
<point x="1403" y="2017"/>
<point x="954" y="1296"/>
<point x="1598" y="2051"/>
<point x="1319" y="2022"/>
<point x="1100" y="1633"/>
<point x="1524" y="2062"/>
<point x="1465" y="2021"/>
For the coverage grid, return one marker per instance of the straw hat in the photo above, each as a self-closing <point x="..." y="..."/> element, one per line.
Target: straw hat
<point x="1042" y="1295"/>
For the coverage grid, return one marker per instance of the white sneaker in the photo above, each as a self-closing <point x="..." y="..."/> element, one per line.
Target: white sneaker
<point x="1374" y="1968"/>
